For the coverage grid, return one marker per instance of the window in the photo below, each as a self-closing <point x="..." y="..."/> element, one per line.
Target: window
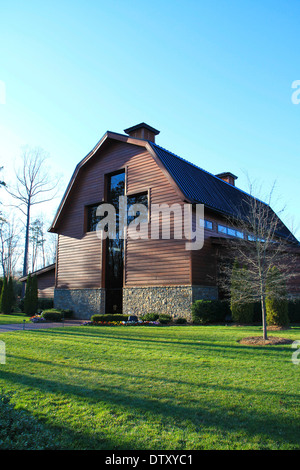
<point x="230" y="231"/>
<point x="92" y="218"/>
<point x="115" y="188"/>
<point x="206" y="224"/>
<point x="222" y="229"/>
<point x="141" y="198"/>
<point x="252" y="238"/>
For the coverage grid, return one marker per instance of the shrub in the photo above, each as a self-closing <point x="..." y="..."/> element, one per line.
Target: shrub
<point x="294" y="311"/>
<point x="45" y="304"/>
<point x="164" y="319"/>
<point x="150" y="317"/>
<point x="52" y="315"/>
<point x="180" y="320"/>
<point x="276" y="301"/>
<point x="277" y="311"/>
<point x="67" y="313"/>
<point x="203" y="312"/>
<point x="242" y="313"/>
<point x="97" y="318"/>
<point x="209" y="311"/>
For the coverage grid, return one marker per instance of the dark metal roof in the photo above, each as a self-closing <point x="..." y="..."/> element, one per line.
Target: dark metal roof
<point x="200" y="186"/>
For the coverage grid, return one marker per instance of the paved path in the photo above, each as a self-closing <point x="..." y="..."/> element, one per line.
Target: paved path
<point x="38" y="326"/>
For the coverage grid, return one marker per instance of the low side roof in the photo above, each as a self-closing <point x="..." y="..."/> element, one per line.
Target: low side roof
<point x="40" y="271"/>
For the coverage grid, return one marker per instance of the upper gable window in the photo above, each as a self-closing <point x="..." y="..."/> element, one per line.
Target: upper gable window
<point x="115" y="187"/>
<point x="92" y="218"/>
<point x="139" y="198"/>
<point x="206" y="224"/>
<point x="230" y="231"/>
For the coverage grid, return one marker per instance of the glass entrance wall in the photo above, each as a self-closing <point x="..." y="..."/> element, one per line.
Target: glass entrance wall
<point x="114" y="248"/>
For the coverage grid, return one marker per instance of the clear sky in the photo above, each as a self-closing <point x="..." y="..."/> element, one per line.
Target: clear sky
<point x="215" y="77"/>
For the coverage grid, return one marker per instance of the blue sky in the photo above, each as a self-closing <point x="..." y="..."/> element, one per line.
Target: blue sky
<point x="214" y="77"/>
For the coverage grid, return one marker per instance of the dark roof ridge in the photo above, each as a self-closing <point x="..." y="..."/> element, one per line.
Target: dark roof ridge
<point x="205" y="171"/>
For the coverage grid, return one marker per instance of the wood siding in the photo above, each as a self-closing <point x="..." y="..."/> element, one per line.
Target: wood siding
<point x="150" y="262"/>
<point x="46" y="283"/>
<point x="205" y="261"/>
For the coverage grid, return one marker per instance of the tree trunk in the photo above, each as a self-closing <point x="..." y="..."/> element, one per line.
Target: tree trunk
<point x="26" y="247"/>
<point x="263" y="313"/>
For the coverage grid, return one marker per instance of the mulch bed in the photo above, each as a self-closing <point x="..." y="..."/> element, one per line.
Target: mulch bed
<point x="260" y="341"/>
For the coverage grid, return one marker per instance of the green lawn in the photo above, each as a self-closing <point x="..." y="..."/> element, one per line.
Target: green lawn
<point x="13" y="318"/>
<point x="158" y="388"/>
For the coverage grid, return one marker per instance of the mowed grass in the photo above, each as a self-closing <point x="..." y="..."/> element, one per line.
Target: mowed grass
<point x="172" y="388"/>
<point x="13" y="318"/>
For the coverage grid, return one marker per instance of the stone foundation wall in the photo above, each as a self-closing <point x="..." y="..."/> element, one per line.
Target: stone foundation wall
<point x="174" y="301"/>
<point x="83" y="302"/>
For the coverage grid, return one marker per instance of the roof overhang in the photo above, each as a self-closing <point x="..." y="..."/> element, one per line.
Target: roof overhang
<point x="39" y="272"/>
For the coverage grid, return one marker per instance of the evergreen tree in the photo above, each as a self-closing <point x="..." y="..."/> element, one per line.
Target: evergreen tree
<point x="30" y="299"/>
<point x="5" y="305"/>
<point x="27" y="303"/>
<point x="242" y="312"/>
<point x="276" y="299"/>
<point x="34" y="293"/>
<point x="11" y="293"/>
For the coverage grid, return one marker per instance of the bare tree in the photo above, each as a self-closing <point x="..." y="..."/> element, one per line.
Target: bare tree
<point x="50" y="248"/>
<point x="262" y="242"/>
<point x="34" y="186"/>
<point x="2" y="183"/>
<point x="9" y="246"/>
<point x="37" y="242"/>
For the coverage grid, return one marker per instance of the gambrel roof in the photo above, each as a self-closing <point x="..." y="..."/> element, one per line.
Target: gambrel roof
<point x="194" y="184"/>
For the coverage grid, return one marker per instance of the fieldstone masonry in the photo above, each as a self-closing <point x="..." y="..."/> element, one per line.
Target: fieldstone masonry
<point x="83" y="302"/>
<point x="175" y="301"/>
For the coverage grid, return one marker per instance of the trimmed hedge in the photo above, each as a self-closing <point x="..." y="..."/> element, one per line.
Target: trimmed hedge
<point x="210" y="311"/>
<point x="53" y="315"/>
<point x="97" y="318"/>
<point x="150" y="316"/>
<point x="164" y="319"/>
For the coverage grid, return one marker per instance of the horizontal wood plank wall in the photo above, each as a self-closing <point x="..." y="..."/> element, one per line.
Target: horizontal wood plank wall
<point x="46" y="284"/>
<point x="205" y="261"/>
<point x="153" y="262"/>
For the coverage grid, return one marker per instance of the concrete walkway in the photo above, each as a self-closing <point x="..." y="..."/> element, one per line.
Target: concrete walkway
<point x="38" y="326"/>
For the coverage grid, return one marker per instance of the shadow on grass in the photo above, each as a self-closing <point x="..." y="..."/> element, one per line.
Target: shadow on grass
<point x="21" y="430"/>
<point x="201" y="414"/>
<point x="199" y="343"/>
